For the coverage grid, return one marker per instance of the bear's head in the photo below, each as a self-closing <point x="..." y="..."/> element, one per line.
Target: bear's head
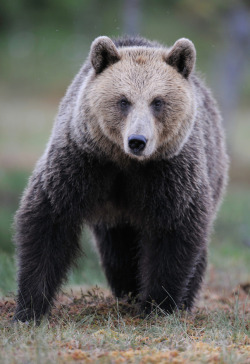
<point x="141" y="98"/>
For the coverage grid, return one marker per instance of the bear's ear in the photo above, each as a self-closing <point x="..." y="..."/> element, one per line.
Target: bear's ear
<point x="103" y="53"/>
<point x="182" y="56"/>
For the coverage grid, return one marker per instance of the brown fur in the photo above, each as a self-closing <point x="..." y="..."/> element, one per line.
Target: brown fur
<point x="137" y="81"/>
<point x="150" y="210"/>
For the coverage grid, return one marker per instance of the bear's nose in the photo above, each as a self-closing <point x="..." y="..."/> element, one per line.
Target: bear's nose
<point x="136" y="143"/>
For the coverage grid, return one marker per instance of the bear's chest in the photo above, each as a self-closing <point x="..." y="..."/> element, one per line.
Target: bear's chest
<point x="120" y="195"/>
<point x="133" y="196"/>
<point x="140" y="195"/>
<point x="121" y="192"/>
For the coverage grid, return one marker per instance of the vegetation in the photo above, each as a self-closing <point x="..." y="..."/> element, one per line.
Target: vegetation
<point x="94" y="328"/>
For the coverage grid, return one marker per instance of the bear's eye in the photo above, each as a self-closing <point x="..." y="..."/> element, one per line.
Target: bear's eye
<point x="124" y="104"/>
<point x="157" y="104"/>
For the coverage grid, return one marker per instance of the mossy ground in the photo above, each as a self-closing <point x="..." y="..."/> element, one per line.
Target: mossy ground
<point x="92" y="327"/>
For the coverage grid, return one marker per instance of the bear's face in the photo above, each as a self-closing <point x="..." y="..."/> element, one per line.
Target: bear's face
<point x="141" y="98"/>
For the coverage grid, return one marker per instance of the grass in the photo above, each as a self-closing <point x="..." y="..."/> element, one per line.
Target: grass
<point x="94" y="328"/>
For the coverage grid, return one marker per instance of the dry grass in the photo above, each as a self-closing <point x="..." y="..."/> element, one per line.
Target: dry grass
<point x="92" y="327"/>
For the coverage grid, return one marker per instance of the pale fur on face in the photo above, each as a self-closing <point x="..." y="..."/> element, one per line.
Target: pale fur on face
<point x="140" y="75"/>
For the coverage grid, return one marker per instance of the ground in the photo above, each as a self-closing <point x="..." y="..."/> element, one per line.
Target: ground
<point x="92" y="327"/>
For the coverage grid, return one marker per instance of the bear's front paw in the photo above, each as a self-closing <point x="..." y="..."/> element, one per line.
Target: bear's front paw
<point x="26" y="316"/>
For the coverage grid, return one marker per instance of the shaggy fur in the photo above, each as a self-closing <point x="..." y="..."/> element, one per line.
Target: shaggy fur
<point x="150" y="212"/>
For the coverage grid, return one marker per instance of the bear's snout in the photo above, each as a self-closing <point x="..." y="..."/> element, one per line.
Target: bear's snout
<point x="136" y="143"/>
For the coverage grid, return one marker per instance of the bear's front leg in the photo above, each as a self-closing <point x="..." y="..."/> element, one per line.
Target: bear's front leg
<point x="170" y="261"/>
<point x="46" y="246"/>
<point x="48" y="226"/>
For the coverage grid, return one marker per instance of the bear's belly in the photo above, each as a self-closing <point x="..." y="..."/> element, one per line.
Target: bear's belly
<point x="109" y="215"/>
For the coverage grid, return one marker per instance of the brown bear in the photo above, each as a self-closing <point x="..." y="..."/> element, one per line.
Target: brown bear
<point x="137" y="154"/>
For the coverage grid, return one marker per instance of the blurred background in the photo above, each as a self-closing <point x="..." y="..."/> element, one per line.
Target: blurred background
<point x="43" y="44"/>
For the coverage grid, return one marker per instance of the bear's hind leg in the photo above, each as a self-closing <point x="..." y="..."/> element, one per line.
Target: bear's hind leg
<point x="118" y="247"/>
